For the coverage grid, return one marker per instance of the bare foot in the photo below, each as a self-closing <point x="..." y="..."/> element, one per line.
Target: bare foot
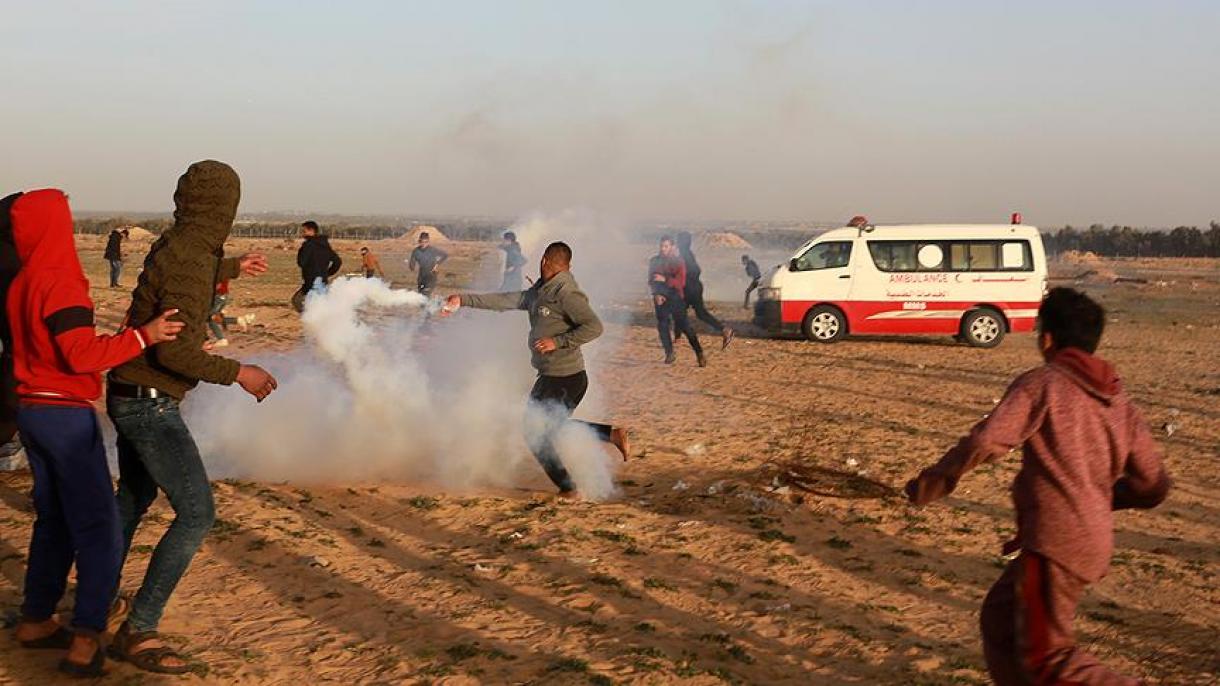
<point x="619" y="439"/>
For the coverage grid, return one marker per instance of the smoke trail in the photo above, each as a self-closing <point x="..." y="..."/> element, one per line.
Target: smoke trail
<point x="381" y="391"/>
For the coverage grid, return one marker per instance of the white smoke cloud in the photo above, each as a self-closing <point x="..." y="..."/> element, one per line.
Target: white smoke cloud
<point x="382" y="391"/>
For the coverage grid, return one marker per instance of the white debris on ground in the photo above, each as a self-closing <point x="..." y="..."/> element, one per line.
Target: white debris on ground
<point x="695" y="450"/>
<point x="681" y="485"/>
<point x="1171" y="427"/>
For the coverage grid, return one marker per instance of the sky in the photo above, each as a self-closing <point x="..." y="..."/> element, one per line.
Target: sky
<point x="932" y="111"/>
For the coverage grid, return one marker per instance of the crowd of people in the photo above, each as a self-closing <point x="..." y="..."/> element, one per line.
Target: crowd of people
<point x="1087" y="449"/>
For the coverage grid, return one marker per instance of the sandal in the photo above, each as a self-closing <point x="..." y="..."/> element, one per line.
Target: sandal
<point x="150" y="659"/>
<point x="119" y="609"/>
<point x="60" y="639"/>
<point x="94" y="668"/>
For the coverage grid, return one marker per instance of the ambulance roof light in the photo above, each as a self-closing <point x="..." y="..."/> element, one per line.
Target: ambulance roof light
<point x="1016" y="217"/>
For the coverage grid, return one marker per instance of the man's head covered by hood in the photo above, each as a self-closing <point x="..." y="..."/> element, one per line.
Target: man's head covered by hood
<point x="205" y="204"/>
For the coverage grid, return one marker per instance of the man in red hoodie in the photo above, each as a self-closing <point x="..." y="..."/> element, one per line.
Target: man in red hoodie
<point x="667" y="281"/>
<point x="1087" y="451"/>
<point x="57" y="360"/>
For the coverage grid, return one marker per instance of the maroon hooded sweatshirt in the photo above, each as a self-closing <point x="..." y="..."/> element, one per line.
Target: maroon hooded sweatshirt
<point x="57" y="355"/>
<point x="1086" y="452"/>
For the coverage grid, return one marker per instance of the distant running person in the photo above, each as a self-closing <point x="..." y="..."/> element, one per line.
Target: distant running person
<point x="426" y="259"/>
<point x="755" y="275"/>
<point x="693" y="293"/>
<point x="370" y="264"/>
<point x="667" y="281"/>
<point x="514" y="260"/>
<point x="317" y="260"/>
<point x="561" y="321"/>
<point x="114" y="254"/>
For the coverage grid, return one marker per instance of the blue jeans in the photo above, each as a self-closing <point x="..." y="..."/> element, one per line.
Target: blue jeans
<point x="218" y="308"/>
<point x="156" y="451"/>
<point x="76" y="516"/>
<point x="116" y="269"/>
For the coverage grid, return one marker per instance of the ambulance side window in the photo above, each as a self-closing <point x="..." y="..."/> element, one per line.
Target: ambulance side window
<point x="907" y="256"/>
<point x="828" y="255"/>
<point x="990" y="256"/>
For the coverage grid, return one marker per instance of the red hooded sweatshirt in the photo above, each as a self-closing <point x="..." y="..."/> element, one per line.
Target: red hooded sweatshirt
<point x="1086" y="452"/>
<point x="57" y="356"/>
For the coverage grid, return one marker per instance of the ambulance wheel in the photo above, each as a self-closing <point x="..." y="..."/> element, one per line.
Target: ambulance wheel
<point x="983" y="328"/>
<point x="824" y="324"/>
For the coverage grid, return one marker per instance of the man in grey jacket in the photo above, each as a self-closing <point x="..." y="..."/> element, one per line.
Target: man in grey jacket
<point x="561" y="321"/>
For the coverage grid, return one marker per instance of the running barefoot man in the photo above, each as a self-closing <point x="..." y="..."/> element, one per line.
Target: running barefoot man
<point x="561" y="321"/>
<point x="156" y="449"/>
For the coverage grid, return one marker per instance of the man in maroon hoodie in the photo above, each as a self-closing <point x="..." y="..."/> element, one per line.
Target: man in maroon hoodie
<point x="1086" y="451"/>
<point x="667" y="281"/>
<point x="57" y="357"/>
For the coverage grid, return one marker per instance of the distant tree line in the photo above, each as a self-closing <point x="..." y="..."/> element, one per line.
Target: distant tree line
<point x="1114" y="241"/>
<point x="1125" y="241"/>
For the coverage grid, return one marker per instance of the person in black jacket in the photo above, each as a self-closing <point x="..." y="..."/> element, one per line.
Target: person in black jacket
<point x="114" y="255"/>
<point x="693" y="293"/>
<point x="755" y="275"/>
<point x="317" y="260"/>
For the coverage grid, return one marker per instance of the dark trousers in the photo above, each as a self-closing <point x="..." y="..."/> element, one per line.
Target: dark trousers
<point x="426" y="282"/>
<point x="671" y="316"/>
<point x="76" y="521"/>
<point x="694" y="300"/>
<point x="157" y="452"/>
<point x="1027" y="628"/>
<point x="749" y="290"/>
<point x="512" y="281"/>
<point x="116" y="269"/>
<point x="559" y="396"/>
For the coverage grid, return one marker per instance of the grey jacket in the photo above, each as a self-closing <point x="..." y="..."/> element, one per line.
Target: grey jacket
<point x="558" y="309"/>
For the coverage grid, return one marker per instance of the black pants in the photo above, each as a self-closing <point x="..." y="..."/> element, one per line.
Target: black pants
<point x="426" y="283"/>
<point x="560" y="395"/>
<point x="671" y="316"/>
<point x="694" y="300"/>
<point x="749" y="290"/>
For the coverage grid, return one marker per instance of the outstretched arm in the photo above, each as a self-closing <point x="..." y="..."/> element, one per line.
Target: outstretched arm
<point x="499" y="302"/>
<point x="1012" y="422"/>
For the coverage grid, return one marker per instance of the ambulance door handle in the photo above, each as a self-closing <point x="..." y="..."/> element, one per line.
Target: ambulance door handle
<point x="845" y="276"/>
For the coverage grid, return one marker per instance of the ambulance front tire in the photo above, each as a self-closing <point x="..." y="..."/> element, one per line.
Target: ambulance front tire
<point x="983" y="328"/>
<point x="824" y="324"/>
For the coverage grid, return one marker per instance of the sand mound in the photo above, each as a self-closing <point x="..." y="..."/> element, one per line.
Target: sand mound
<point x="724" y="239"/>
<point x="410" y="239"/>
<point x="1087" y="265"/>
<point x="433" y="233"/>
<point x="139" y="233"/>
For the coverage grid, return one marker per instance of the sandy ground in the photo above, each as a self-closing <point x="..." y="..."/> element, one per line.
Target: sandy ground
<point x="698" y="574"/>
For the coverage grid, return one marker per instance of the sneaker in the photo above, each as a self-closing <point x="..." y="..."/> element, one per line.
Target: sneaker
<point x="246" y="321"/>
<point x="670" y="358"/>
<point x="568" y="495"/>
<point x="727" y="337"/>
<point x="618" y="438"/>
<point x="221" y="343"/>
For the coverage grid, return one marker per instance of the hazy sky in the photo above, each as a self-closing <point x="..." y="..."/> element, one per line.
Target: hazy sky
<point x="922" y="111"/>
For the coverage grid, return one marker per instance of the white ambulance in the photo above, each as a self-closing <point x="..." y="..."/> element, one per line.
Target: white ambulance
<point x="973" y="282"/>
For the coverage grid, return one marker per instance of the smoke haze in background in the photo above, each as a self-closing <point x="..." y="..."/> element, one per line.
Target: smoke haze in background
<point x="382" y="392"/>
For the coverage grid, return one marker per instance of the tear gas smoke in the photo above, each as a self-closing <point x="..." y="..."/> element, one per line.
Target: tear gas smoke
<point x="382" y="391"/>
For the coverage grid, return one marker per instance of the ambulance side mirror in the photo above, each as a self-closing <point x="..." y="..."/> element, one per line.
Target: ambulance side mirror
<point x="792" y="265"/>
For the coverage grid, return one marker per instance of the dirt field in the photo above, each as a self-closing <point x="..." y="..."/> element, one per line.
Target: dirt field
<point x="698" y="574"/>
